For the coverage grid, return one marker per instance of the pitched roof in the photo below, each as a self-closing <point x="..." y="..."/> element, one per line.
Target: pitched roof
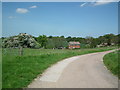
<point x="74" y="42"/>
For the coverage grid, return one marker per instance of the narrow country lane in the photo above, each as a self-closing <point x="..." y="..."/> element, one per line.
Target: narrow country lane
<point x="84" y="71"/>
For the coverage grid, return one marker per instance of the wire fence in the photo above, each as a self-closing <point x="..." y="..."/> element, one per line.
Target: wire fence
<point x="10" y="51"/>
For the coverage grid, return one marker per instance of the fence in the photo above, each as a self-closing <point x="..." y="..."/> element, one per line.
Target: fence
<point x="10" y="51"/>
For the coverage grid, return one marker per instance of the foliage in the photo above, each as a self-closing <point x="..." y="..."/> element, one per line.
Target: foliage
<point x="0" y="42"/>
<point x="42" y="39"/>
<point x="101" y="41"/>
<point x="56" y="42"/>
<point x="21" y="40"/>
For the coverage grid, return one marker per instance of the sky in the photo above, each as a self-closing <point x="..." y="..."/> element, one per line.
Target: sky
<point x="76" y="19"/>
<point x="0" y="19"/>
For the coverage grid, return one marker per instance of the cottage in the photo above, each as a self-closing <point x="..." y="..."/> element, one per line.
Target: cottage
<point x="73" y="45"/>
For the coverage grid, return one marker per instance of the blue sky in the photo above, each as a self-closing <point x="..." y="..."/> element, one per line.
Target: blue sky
<point x="0" y="19"/>
<point x="77" y="19"/>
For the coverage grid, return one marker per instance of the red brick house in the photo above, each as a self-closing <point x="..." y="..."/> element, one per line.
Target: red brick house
<point x="73" y="45"/>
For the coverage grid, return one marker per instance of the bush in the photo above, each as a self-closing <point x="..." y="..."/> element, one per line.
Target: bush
<point x="21" y="40"/>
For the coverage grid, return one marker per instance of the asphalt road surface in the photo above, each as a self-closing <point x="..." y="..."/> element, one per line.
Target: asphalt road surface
<point x="84" y="71"/>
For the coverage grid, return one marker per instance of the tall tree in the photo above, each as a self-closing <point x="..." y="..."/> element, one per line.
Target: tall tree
<point x="42" y="39"/>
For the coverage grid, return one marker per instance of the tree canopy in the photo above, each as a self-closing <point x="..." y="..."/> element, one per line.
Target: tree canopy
<point x="50" y="42"/>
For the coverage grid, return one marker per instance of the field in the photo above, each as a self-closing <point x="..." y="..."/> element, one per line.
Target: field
<point x="0" y="68"/>
<point x="19" y="71"/>
<point x="111" y="62"/>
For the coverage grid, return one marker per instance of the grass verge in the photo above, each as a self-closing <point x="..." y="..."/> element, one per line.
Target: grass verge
<point x="111" y="62"/>
<point x="19" y="71"/>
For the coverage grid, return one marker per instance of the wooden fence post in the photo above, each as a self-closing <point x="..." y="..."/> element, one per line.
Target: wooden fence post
<point x="21" y="51"/>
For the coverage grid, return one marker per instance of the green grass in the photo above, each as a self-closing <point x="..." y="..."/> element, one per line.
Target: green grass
<point x="111" y="62"/>
<point x="0" y="68"/>
<point x="19" y="71"/>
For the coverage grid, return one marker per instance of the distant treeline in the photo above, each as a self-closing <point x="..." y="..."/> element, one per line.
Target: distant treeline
<point x="52" y="42"/>
<point x="88" y="42"/>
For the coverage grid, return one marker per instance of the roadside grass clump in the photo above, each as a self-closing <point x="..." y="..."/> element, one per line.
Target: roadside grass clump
<point x="112" y="63"/>
<point x="19" y="71"/>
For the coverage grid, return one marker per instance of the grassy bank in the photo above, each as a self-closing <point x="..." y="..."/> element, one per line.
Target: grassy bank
<point x="19" y="71"/>
<point x="111" y="62"/>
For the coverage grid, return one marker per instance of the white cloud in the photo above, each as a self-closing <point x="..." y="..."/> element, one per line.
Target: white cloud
<point x="33" y="7"/>
<point x="102" y="2"/>
<point x="82" y="5"/>
<point x="21" y="10"/>
<point x="11" y="17"/>
<point x="97" y="2"/>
